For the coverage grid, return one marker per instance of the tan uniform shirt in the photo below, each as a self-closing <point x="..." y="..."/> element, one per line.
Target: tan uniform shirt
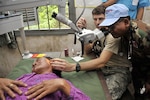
<point x="117" y="60"/>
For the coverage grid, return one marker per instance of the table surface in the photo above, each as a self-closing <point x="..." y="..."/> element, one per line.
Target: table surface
<point x="100" y="78"/>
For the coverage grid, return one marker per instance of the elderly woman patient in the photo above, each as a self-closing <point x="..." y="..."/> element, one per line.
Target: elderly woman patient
<point x="44" y="83"/>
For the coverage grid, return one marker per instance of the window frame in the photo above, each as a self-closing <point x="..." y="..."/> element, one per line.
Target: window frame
<point x="43" y="32"/>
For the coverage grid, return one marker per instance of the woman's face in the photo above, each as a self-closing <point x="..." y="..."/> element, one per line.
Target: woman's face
<point x="119" y="28"/>
<point x="41" y="66"/>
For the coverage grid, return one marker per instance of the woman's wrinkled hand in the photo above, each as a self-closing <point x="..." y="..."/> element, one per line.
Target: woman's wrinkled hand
<point x="10" y="87"/>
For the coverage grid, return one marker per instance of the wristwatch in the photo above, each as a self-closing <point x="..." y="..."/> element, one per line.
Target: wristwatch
<point x="78" y="67"/>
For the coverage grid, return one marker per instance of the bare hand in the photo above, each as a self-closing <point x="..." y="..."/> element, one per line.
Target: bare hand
<point x="62" y="65"/>
<point x="47" y="87"/>
<point x="82" y="23"/>
<point x="10" y="86"/>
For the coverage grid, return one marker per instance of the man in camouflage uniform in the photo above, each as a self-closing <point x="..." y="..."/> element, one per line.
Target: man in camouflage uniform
<point x="135" y="37"/>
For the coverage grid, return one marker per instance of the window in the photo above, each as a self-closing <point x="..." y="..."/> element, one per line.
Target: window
<point x="38" y="16"/>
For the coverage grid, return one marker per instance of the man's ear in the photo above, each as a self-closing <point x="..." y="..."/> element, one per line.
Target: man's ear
<point x="126" y="21"/>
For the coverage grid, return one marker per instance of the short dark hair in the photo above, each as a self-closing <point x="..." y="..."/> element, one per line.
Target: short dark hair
<point x="98" y="10"/>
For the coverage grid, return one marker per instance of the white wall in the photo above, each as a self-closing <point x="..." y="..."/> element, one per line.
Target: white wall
<point x="90" y="4"/>
<point x="146" y="15"/>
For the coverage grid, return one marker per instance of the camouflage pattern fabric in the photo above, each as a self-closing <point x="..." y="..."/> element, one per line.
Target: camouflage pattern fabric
<point x="141" y="57"/>
<point x="117" y="80"/>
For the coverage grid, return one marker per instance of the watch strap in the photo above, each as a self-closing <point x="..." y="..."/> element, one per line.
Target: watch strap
<point x="78" y="67"/>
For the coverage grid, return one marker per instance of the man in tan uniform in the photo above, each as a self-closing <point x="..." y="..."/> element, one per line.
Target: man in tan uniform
<point x="136" y="35"/>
